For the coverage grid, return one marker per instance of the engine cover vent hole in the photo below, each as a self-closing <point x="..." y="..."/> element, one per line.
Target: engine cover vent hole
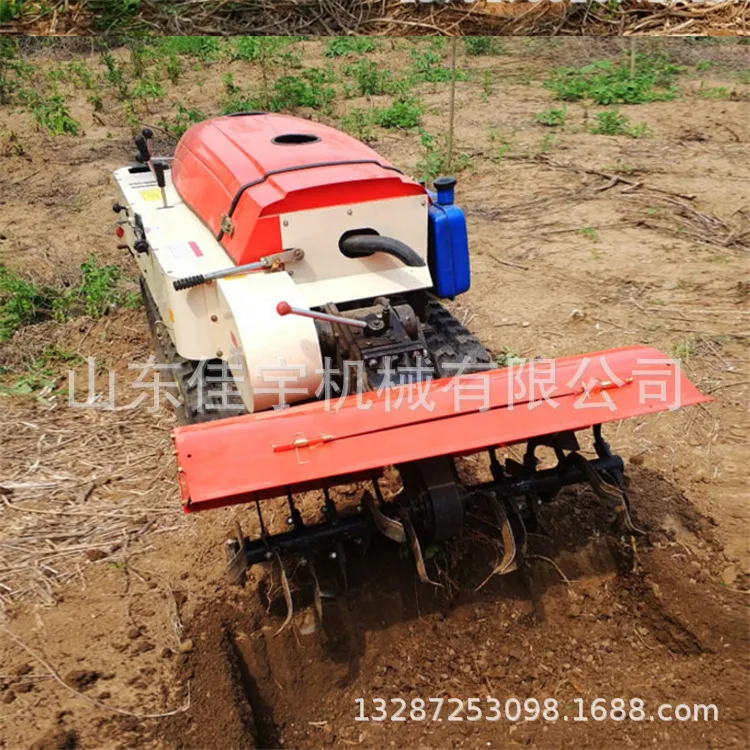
<point x="294" y="139"/>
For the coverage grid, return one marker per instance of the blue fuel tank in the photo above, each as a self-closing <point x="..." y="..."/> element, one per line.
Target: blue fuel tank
<point x="448" y="249"/>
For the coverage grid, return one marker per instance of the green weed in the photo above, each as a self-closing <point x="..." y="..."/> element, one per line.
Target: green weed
<point x="203" y="48"/>
<point x="684" y="350"/>
<point x="403" y="113"/>
<point x="590" y="234"/>
<point x="292" y="92"/>
<point x="132" y="116"/>
<point x="505" y="141"/>
<point x="428" y="66"/>
<point x="607" y="82"/>
<point x="359" y="123"/>
<point x="234" y="99"/>
<point x="501" y="151"/>
<point x="98" y="292"/>
<point x="52" y="115"/>
<point x="487" y="82"/>
<point x="57" y="74"/>
<point x="113" y="14"/>
<point x="371" y="80"/>
<point x="290" y="59"/>
<point x="341" y="46"/>
<point x="83" y="74"/>
<point x="230" y="87"/>
<point x="43" y="372"/>
<point x="553" y="118"/>
<point x="184" y="118"/>
<point x="259" y="48"/>
<point x="10" y="10"/>
<point x="149" y="87"/>
<point x="483" y="45"/>
<point x="508" y="357"/>
<point x="714" y="92"/>
<point x="435" y="161"/>
<point x="611" y="122"/>
<point x="245" y="48"/>
<point x="548" y="143"/>
<point x="173" y="68"/>
<point x="140" y="56"/>
<point x="115" y="75"/>
<point x="13" y="70"/>
<point x="22" y="302"/>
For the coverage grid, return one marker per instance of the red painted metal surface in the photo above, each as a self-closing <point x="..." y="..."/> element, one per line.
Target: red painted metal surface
<point x="324" y="443"/>
<point x="215" y="158"/>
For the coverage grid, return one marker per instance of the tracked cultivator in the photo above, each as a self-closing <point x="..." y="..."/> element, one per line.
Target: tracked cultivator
<point x="292" y="279"/>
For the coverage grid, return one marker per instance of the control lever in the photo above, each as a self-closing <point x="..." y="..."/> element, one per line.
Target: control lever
<point x="159" y="167"/>
<point x="148" y="134"/>
<point x="269" y="263"/>
<point x="284" y="308"/>
<point x="144" y="153"/>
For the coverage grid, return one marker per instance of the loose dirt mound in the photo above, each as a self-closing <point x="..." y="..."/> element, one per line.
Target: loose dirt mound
<point x="620" y="625"/>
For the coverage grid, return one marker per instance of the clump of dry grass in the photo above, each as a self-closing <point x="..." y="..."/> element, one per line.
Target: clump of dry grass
<point x="79" y="486"/>
<point x="382" y="17"/>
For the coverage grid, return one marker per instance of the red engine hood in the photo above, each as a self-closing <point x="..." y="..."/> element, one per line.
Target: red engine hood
<point x="242" y="166"/>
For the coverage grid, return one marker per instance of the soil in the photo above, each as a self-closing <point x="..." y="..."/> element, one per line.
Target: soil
<point x="135" y="620"/>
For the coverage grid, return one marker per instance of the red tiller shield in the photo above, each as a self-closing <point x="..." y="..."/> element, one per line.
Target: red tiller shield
<point x="326" y="442"/>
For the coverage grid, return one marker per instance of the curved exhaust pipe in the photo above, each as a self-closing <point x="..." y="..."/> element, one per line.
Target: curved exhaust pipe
<point x="364" y="244"/>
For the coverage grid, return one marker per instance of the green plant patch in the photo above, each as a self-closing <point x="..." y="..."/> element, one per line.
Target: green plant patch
<point x="435" y="159"/>
<point x="10" y="10"/>
<point x="184" y="118"/>
<point x="370" y="79"/>
<point x="483" y="45"/>
<point x="341" y="46"/>
<point x="605" y="82"/>
<point x="402" y="113"/>
<point x="203" y="48"/>
<point x="359" y="123"/>
<point x="611" y="122"/>
<point x="23" y="302"/>
<point x="427" y="66"/>
<point x="552" y="118"/>
<point x="53" y="115"/>
<point x="292" y="92"/>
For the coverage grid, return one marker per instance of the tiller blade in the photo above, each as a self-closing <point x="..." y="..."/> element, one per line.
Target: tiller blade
<point x="323" y="444"/>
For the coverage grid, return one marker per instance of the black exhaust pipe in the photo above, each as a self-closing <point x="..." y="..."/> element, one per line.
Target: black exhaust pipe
<point x="365" y="244"/>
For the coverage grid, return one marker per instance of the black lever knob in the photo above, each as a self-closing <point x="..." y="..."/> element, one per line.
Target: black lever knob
<point x="159" y="172"/>
<point x="143" y="152"/>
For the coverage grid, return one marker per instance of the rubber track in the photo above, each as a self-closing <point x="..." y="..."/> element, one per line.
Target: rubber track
<point x="184" y="373"/>
<point x="450" y="343"/>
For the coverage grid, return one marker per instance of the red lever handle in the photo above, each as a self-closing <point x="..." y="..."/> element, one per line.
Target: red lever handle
<point x="284" y="308"/>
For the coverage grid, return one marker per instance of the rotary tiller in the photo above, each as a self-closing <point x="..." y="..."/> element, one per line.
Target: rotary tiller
<point x="285" y="264"/>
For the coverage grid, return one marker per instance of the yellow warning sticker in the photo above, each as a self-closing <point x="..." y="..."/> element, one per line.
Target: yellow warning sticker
<point x="151" y="194"/>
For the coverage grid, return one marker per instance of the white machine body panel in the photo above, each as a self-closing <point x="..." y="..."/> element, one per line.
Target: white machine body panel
<point x="235" y="318"/>
<point x="325" y="275"/>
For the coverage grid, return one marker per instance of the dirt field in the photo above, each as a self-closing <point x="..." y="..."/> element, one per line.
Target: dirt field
<point x="114" y="607"/>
